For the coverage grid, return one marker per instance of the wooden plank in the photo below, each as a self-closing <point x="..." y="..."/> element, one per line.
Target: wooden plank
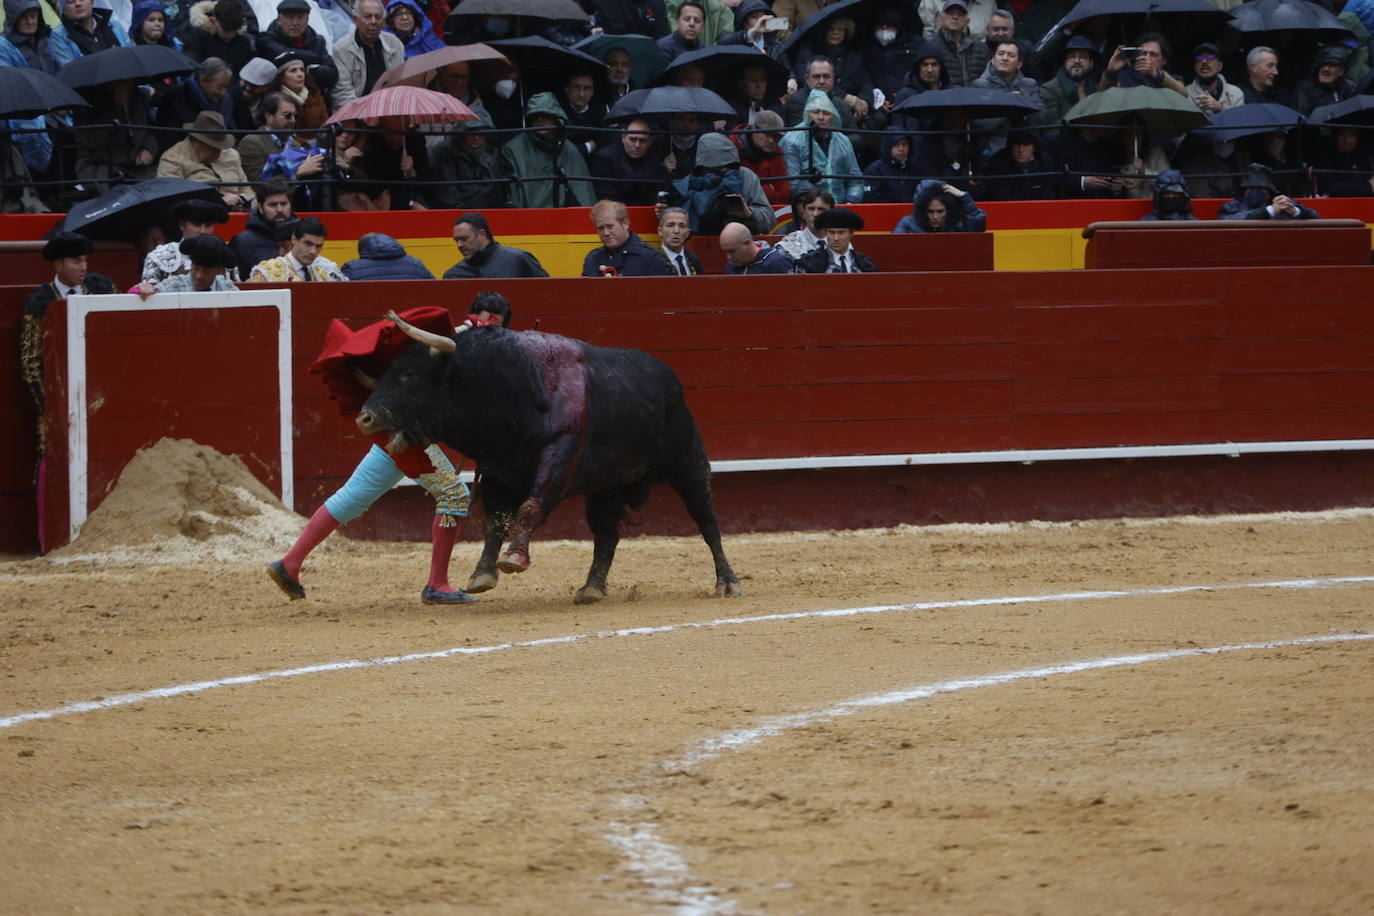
<point x="1117" y="359"/>
<point x="1186" y="394"/>
<point x="804" y="403"/>
<point x="856" y="437"/>
<point x="1106" y="430"/>
<point x="1296" y="355"/>
<point x="1314" y="390"/>
<point x="1307" y="423"/>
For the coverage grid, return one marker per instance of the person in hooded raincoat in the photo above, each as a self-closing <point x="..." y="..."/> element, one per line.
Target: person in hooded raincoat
<point x="720" y="190"/>
<point x="891" y="178"/>
<point x="545" y="154"/>
<point x="1172" y="200"/>
<point x="940" y="207"/>
<point x="1259" y="198"/>
<point x="408" y="22"/>
<point x="28" y="41"/>
<point x="824" y="151"/>
<point x="1328" y="83"/>
<point x="468" y="165"/>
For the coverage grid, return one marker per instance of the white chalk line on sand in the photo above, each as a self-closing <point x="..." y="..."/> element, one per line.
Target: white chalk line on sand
<point x="664" y="868"/>
<point x="163" y="693"/>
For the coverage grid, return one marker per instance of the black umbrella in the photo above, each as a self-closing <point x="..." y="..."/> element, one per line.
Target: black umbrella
<point x="142" y="63"/>
<point x="816" y="23"/>
<point x="668" y="100"/>
<point x="560" y="10"/>
<point x="126" y="210"/>
<point x="723" y="64"/>
<point x="1355" y="110"/>
<point x="26" y="93"/>
<point x="1248" y="120"/>
<point x="1289" y="16"/>
<point x="1087" y="9"/>
<point x="976" y="103"/>
<point x="544" y="65"/>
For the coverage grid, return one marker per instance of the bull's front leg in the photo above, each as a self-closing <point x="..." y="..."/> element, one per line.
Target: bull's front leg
<point x="499" y="504"/>
<point x="550" y="483"/>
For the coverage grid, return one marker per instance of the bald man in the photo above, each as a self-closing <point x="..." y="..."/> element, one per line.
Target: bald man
<point x="746" y="256"/>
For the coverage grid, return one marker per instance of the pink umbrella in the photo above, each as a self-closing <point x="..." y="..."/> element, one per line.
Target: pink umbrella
<point x="418" y="106"/>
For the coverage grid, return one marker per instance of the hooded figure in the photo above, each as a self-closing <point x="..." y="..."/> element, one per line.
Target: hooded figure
<point x="1313" y="93"/>
<point x="142" y="9"/>
<point x="421" y="37"/>
<point x="45" y="49"/>
<point x="826" y="151"/>
<point x="381" y="257"/>
<point x="961" y="212"/>
<point x="891" y="178"/>
<point x="1255" y="199"/>
<point x="1021" y="170"/>
<point x="891" y="47"/>
<point x="928" y="56"/>
<point x="766" y="41"/>
<point x="720" y="190"/>
<point x="545" y="154"/>
<point x="461" y="157"/>
<point x="1172" y="200"/>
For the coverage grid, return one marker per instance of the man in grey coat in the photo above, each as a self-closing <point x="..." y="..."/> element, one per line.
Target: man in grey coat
<point x="365" y="54"/>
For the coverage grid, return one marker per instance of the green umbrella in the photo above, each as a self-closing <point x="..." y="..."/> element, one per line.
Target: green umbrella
<point x="646" y="60"/>
<point x="1157" y="110"/>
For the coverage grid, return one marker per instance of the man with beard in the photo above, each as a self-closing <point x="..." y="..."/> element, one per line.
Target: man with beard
<point x="642" y="174"/>
<point x="1074" y="81"/>
<point x="618" y="68"/>
<point x="485" y="257"/>
<point x="271" y="208"/>
<point x="1209" y="89"/>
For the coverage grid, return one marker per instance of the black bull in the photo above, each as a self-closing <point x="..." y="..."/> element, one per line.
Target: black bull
<point x="546" y="417"/>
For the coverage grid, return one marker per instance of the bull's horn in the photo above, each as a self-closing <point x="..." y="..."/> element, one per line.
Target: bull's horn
<point x="433" y="341"/>
<point x="364" y="379"/>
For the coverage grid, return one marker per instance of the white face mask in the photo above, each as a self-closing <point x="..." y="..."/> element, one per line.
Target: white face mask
<point x="504" y="88"/>
<point x="885" y="36"/>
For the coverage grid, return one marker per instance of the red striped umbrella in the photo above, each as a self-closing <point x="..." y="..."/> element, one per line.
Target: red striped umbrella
<point x="419" y="106"/>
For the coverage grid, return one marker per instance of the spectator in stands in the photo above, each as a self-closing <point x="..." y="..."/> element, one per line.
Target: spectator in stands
<point x="836" y="43"/>
<point x="684" y="129"/>
<point x="544" y="154"/>
<point x="17" y="194"/>
<point x="249" y="90"/>
<point x="927" y="73"/>
<point x="1148" y="66"/>
<point x="392" y="160"/>
<point x="585" y="113"/>
<point x="719" y="18"/>
<point x="1089" y="156"/>
<point x="750" y="97"/>
<point x="207" y="154"/>
<point x="633" y="17"/>
<point x="963" y="52"/>
<point x="976" y="13"/>
<point x="839" y="255"/>
<point x="751" y="28"/>
<point x="1001" y="27"/>
<point x="1273" y="150"/>
<point x="406" y="20"/>
<point x="258" y="241"/>
<point x="148" y="25"/>
<point x="194" y="219"/>
<point x="618" y="65"/>
<point x="279" y="120"/>
<point x="30" y="42"/>
<point x="1209" y="89"/>
<point x="1141" y="160"/>
<point x="761" y="151"/>
<point x="1020" y="171"/>
<point x="744" y="255"/>
<point x="90" y="29"/>
<point x="890" y="55"/>
<point x="891" y="178"/>
<point x="1327" y="85"/>
<point x="294" y="80"/>
<point x="1172" y="200"/>
<point x="1074" y="80"/>
<point x="622" y="253"/>
<point x="674" y="229"/>
<point x="720" y="190"/>
<point x="292" y="38"/>
<point x="217" y="29"/>
<point x="210" y="261"/>
<point x="692" y="76"/>
<point x="799" y="235"/>
<point x="630" y="171"/>
<point x="365" y="54"/>
<point x="207" y="91"/>
<point x="456" y="80"/>
<point x="1258" y="198"/>
<point x="1211" y="167"/>
<point x="485" y="257"/>
<point x="822" y="154"/>
<point x="690" y="20"/>
<point x="1262" y="73"/>
<point x="820" y="75"/>
<point x="1342" y="165"/>
<point x="129" y="150"/>
<point x="468" y="168"/>
<point x="303" y="261"/>
<point x="381" y="257"/>
<point x="1004" y="74"/>
<point x="940" y="207"/>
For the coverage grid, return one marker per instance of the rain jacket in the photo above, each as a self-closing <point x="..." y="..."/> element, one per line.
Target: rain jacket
<point x="108" y="33"/>
<point x="771" y="46"/>
<point x="527" y="156"/>
<point x="380" y="257"/>
<point x="964" y="62"/>
<point x="779" y="191"/>
<point x="718" y="172"/>
<point x="806" y="156"/>
<point x="633" y="259"/>
<point x="497" y="261"/>
<point x="1005" y="180"/>
<point x="1170" y="180"/>
<point x="912" y="85"/>
<point x="423" y="39"/>
<point x="48" y="49"/>
<point x="142" y="10"/>
<point x="964" y="213"/>
<point x="888" y="180"/>
<point x="454" y="161"/>
<point x="770" y="260"/>
<point x="255" y="244"/>
<point x="1312" y="94"/>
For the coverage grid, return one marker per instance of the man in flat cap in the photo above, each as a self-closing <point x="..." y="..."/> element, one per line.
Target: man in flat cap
<point x="194" y="218"/>
<point x="292" y="37"/>
<point x="67" y="252"/>
<point x="839" y="255"/>
<point x="210" y="260"/>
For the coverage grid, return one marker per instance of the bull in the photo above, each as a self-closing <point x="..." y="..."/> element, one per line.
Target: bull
<point x="545" y="418"/>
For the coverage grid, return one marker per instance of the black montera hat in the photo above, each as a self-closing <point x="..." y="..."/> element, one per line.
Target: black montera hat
<point x="839" y="218"/>
<point x="200" y="211"/>
<point x="66" y="245"/>
<point x="208" y="251"/>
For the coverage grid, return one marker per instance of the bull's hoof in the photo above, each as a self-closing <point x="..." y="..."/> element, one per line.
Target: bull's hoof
<point x="285" y="581"/>
<point x="589" y="594"/>
<point x="513" y="562"/>
<point x="481" y="582"/>
<point x="728" y="590"/>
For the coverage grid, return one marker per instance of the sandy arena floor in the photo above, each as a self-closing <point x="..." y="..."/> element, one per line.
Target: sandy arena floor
<point x="905" y="759"/>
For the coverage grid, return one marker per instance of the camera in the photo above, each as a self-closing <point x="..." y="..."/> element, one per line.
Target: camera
<point x="664" y="198"/>
<point x="1129" y="55"/>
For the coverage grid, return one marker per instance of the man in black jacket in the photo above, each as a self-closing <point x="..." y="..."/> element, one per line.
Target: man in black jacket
<point x="839" y="255"/>
<point x="633" y="17"/>
<point x="292" y="37"/>
<point x="89" y="28"/>
<point x="485" y="257"/>
<point x="258" y="240"/>
<point x="631" y="158"/>
<point x="622" y="253"/>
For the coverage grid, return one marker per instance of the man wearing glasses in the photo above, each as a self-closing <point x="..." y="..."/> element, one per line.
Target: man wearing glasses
<point x="1209" y="89"/>
<point x="1142" y="65"/>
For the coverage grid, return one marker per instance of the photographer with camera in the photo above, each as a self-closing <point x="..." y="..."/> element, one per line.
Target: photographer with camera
<point x="721" y="191"/>
<point x="1142" y="65"/>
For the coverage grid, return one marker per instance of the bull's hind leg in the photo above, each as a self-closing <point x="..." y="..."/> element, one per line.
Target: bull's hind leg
<point x="692" y="481"/>
<point x="604" y="511"/>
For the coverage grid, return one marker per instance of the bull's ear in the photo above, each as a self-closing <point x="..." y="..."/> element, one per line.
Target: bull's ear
<point x="436" y="342"/>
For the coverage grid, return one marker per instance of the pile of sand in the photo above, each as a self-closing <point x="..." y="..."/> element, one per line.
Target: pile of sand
<point x="178" y="502"/>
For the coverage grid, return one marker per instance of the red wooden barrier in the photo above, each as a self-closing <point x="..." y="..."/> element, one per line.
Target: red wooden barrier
<point x="906" y="252"/>
<point x="22" y="263"/>
<point x="1240" y="243"/>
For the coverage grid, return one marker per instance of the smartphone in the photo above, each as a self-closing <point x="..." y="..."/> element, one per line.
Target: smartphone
<point x="1130" y="54"/>
<point x="777" y="24"/>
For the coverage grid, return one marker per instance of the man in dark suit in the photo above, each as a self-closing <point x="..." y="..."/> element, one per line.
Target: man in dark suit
<point x="674" y="230"/>
<point x="839" y="255"/>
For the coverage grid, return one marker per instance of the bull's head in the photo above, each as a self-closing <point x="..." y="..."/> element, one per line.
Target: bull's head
<point x="404" y="400"/>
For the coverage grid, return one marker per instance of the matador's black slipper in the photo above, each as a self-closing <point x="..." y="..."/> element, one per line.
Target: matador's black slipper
<point x="285" y="581"/>
<point x="432" y="595"/>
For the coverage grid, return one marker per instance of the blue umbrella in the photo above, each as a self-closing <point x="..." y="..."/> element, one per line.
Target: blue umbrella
<point x="1356" y="110"/>
<point x="646" y="60"/>
<point x="1248" y="120"/>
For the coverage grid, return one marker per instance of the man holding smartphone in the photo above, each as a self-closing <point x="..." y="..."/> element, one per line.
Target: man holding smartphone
<point x="1142" y="65"/>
